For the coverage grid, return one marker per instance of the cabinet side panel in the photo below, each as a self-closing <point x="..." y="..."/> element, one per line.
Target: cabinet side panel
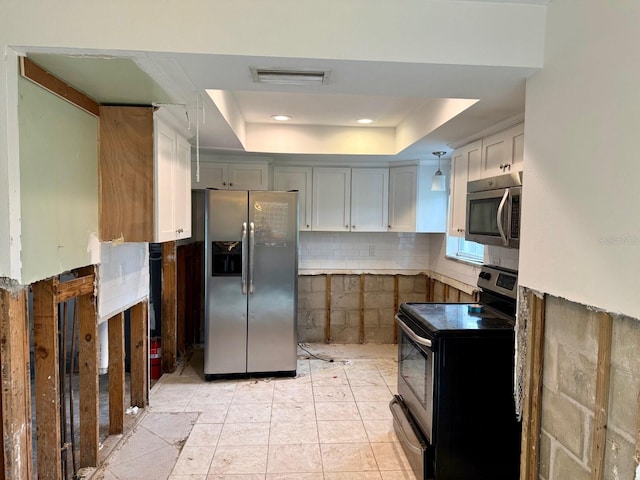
<point x="126" y="173"/>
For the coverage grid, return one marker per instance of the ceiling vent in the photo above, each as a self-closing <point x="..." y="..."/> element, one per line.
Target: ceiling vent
<point x="298" y="76"/>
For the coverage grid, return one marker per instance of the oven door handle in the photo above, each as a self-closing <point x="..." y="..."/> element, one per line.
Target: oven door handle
<point x="416" y="449"/>
<point x="499" y="217"/>
<point x="410" y="333"/>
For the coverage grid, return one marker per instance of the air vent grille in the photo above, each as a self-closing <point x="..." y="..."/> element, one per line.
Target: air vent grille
<point x="279" y="76"/>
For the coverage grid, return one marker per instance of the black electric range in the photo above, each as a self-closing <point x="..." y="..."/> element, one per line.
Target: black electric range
<point x="454" y="412"/>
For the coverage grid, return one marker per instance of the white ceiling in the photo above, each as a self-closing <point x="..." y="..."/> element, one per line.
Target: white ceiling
<point x="401" y="97"/>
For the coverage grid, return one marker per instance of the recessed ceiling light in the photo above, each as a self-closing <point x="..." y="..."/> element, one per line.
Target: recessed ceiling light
<point x="281" y="118"/>
<point x="365" y="121"/>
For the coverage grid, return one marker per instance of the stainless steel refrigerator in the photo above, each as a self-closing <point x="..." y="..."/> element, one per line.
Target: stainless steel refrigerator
<point x="251" y="276"/>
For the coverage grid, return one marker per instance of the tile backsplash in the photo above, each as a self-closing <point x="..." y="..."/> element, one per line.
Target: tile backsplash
<point x="389" y="251"/>
<point x="363" y="251"/>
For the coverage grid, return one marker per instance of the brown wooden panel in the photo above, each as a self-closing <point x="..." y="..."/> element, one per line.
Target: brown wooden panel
<point x="139" y="354"/>
<point x="116" y="374"/>
<point x="126" y="172"/>
<point x="603" y="380"/>
<point x="74" y="288"/>
<point x="183" y="258"/>
<point x="15" y="393"/>
<point x="46" y="80"/>
<point x="169" y="304"/>
<point x="396" y="303"/>
<point x="47" y="392"/>
<point x="327" y="306"/>
<point x="88" y="380"/>
<point x="361" y="321"/>
<point x="532" y="408"/>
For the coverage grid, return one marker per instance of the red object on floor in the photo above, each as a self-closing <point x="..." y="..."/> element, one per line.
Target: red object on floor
<point x="155" y="357"/>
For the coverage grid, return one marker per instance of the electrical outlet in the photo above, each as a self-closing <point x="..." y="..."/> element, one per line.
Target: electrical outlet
<point x="372" y="250"/>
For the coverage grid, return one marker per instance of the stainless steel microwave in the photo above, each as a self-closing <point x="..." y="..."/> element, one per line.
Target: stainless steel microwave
<point x="493" y="210"/>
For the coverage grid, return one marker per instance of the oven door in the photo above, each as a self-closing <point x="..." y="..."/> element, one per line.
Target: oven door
<point x="415" y="373"/>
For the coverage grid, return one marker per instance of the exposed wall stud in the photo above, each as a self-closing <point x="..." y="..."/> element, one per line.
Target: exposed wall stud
<point x="116" y="374"/>
<point x="16" y="462"/>
<point x="603" y="380"/>
<point x="327" y="325"/>
<point x="169" y="307"/>
<point x="139" y="354"/>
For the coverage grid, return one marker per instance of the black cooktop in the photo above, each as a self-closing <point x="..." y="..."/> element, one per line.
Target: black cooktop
<point x="452" y="318"/>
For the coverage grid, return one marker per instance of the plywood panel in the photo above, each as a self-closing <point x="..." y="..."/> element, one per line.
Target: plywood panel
<point x="126" y="173"/>
<point x="58" y="183"/>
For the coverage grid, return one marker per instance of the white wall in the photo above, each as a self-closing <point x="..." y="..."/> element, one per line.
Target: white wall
<point x="581" y="210"/>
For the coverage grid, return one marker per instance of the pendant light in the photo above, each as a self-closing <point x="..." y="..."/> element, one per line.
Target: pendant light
<point x="438" y="182"/>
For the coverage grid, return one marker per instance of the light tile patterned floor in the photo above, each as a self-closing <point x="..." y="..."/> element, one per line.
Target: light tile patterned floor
<point x="331" y="422"/>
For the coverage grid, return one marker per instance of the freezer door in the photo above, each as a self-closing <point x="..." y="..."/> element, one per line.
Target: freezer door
<point x="273" y="282"/>
<point x="225" y="349"/>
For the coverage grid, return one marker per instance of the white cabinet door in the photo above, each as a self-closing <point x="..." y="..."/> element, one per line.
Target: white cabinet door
<point x="165" y="145"/>
<point x="231" y="176"/>
<point x="462" y="161"/>
<point x="248" y="176"/>
<point x="182" y="183"/>
<point x="296" y="178"/>
<point x="402" y="198"/>
<point x="503" y="151"/>
<point x="212" y="175"/>
<point x="369" y="199"/>
<point x="331" y="199"/>
<point x="172" y="184"/>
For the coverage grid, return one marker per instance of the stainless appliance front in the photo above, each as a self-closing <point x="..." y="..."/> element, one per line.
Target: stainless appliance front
<point x="493" y="210"/>
<point x="251" y="283"/>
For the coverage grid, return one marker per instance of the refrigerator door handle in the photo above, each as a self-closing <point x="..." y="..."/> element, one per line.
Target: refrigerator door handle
<point x="252" y="244"/>
<point x="244" y="258"/>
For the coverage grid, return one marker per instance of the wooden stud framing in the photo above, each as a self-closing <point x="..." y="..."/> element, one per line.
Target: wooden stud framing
<point x="16" y="462"/>
<point x="603" y="380"/>
<point x="47" y="398"/>
<point x="327" y="324"/>
<point x="77" y="287"/>
<point x="169" y="307"/>
<point x="361" y="324"/>
<point x="396" y="303"/>
<point x="46" y="80"/>
<point x="88" y="372"/>
<point x="139" y="354"/>
<point x="532" y="409"/>
<point x="116" y="374"/>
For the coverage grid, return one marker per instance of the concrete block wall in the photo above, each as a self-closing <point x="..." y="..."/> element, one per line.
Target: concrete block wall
<point x="379" y="306"/>
<point x="568" y="396"/>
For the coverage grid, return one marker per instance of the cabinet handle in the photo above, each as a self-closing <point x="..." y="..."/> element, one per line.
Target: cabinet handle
<point x="307" y="225"/>
<point x="353" y="226"/>
<point x="231" y="184"/>
<point x="224" y="183"/>
<point x="346" y="226"/>
<point x="388" y="226"/>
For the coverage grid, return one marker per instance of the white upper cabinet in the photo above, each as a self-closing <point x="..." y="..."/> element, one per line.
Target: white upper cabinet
<point x="172" y="212"/>
<point x="296" y="178"/>
<point x="464" y="162"/>
<point x="331" y="209"/>
<point x="231" y="176"/>
<point x="503" y="152"/>
<point x="350" y="199"/>
<point x="369" y="199"/>
<point x="413" y="207"/>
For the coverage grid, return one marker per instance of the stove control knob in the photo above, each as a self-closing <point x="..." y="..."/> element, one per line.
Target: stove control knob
<point x="485" y="275"/>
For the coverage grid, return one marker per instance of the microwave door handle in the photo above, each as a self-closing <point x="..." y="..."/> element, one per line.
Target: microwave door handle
<point x="244" y="258"/>
<point x="505" y="241"/>
<point x="410" y="333"/>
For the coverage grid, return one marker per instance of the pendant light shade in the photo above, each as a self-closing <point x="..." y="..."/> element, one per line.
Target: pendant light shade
<point x="438" y="182"/>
